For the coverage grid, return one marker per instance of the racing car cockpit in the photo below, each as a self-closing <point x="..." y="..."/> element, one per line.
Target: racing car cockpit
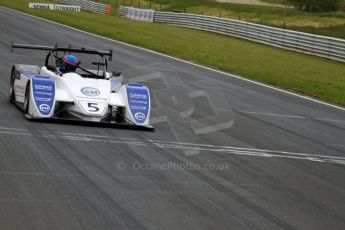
<point x="61" y="61"/>
<point x="69" y="64"/>
<point x="55" y="57"/>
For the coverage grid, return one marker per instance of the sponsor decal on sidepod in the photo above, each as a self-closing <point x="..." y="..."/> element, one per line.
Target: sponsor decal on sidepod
<point x="138" y="101"/>
<point x="44" y="94"/>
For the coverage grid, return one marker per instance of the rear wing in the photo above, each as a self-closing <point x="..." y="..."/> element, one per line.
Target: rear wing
<point x="63" y="49"/>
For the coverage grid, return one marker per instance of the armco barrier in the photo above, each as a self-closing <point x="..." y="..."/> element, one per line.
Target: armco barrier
<point x="88" y="5"/>
<point x="138" y="14"/>
<point x="322" y="46"/>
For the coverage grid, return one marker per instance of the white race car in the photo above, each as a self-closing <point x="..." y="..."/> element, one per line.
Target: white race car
<point x="82" y="95"/>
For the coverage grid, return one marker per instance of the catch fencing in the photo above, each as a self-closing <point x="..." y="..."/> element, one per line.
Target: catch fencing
<point x="95" y="7"/>
<point x="327" y="47"/>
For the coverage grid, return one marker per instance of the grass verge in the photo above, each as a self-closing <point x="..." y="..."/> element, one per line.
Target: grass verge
<point x="301" y="73"/>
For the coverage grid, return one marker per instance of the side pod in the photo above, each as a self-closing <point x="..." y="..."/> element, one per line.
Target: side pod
<point x="42" y="97"/>
<point x="137" y="106"/>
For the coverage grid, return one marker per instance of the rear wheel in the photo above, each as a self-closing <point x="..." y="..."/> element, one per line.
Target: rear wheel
<point x="11" y="91"/>
<point x="27" y="99"/>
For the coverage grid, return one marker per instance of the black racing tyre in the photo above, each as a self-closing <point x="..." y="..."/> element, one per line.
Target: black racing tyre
<point x="27" y="99"/>
<point x="11" y="90"/>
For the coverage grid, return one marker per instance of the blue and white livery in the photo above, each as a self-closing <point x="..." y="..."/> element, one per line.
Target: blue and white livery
<point x="85" y="94"/>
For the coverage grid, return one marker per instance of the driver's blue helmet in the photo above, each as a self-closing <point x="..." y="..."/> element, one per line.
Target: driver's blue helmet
<point x="69" y="64"/>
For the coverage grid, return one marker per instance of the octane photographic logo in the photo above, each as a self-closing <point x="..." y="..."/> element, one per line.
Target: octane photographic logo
<point x="44" y="108"/>
<point x="89" y="91"/>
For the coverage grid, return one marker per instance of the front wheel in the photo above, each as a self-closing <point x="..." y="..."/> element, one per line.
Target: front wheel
<point x="27" y="99"/>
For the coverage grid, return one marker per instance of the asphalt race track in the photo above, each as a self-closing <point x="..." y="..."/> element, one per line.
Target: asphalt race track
<point x="226" y="154"/>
